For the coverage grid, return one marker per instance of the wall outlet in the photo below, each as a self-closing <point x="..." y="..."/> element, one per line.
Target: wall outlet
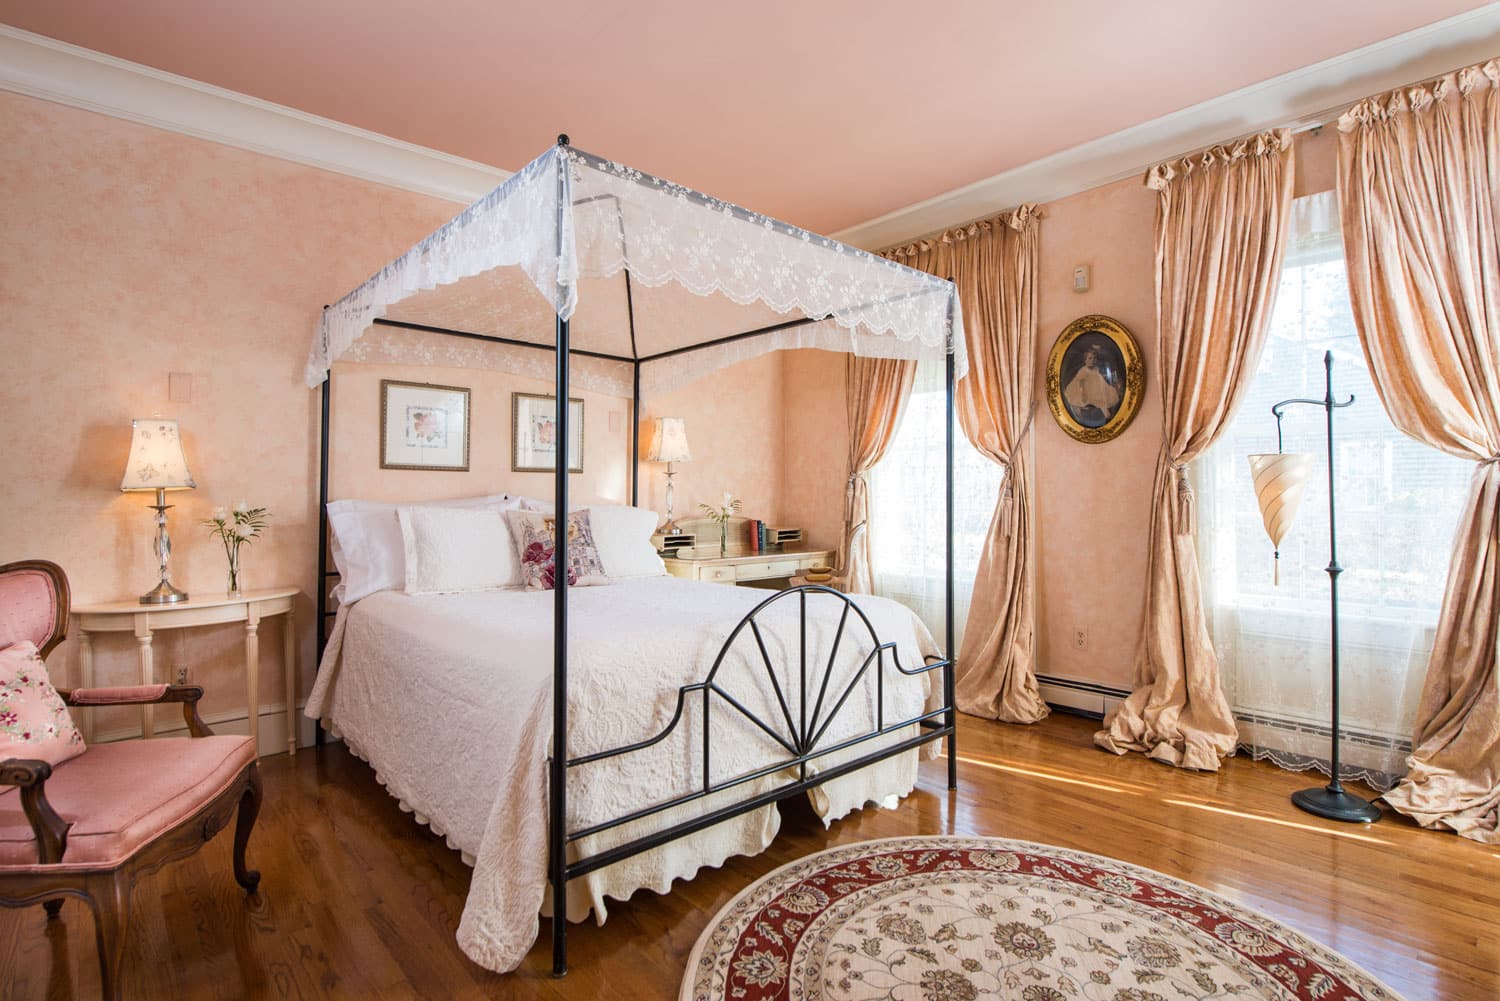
<point x="182" y="676"/>
<point x="1080" y="639"/>
<point x="1083" y="277"/>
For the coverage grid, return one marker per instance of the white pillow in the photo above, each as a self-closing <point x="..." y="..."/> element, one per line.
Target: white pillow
<point x="456" y="549"/>
<point x="367" y="547"/>
<point x="623" y="537"/>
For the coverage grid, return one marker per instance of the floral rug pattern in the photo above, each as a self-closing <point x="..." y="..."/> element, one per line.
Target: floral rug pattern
<point x="965" y="919"/>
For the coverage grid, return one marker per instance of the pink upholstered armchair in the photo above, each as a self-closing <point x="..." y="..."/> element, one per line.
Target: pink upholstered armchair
<point x="88" y="826"/>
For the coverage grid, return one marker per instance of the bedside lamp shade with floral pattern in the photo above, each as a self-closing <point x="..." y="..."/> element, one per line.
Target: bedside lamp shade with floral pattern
<point x="157" y="463"/>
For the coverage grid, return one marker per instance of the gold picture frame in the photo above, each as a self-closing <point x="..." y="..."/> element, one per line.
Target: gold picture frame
<point x="1095" y="379"/>
<point x="423" y="426"/>
<point x="531" y="448"/>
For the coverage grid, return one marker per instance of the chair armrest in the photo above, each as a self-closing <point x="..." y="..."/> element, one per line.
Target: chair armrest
<point x="51" y="831"/>
<point x="141" y="695"/>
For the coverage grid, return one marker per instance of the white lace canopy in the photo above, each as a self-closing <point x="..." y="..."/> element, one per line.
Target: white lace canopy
<point x="645" y="270"/>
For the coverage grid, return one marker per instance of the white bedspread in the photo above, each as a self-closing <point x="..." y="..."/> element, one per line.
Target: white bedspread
<point x="449" y="698"/>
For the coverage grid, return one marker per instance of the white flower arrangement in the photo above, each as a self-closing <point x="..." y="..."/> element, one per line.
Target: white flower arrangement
<point x="234" y="528"/>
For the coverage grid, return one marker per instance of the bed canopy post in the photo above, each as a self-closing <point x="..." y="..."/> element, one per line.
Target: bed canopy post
<point x="557" y="826"/>
<point x="323" y="574"/>
<point x="635" y="432"/>
<point x="951" y="718"/>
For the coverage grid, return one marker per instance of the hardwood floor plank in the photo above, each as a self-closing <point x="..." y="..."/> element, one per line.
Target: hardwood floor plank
<point x="360" y="901"/>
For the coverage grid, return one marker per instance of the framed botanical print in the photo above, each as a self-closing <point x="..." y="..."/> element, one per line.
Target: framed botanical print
<point x="1095" y="379"/>
<point x="533" y="447"/>
<point x="423" y="426"/>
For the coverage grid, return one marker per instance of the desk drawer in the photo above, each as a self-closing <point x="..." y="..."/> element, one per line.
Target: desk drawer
<point x="761" y="571"/>
<point x="717" y="575"/>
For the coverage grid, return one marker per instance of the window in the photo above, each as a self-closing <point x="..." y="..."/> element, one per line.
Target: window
<point x="1398" y="505"/>
<point x="907" y="493"/>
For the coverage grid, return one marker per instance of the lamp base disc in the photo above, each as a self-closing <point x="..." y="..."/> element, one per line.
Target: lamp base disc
<point x="164" y="594"/>
<point x="1336" y="804"/>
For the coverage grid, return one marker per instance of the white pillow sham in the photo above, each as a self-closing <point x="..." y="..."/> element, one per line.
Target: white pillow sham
<point x="367" y="547"/>
<point x="622" y="536"/>
<point x="456" y="549"/>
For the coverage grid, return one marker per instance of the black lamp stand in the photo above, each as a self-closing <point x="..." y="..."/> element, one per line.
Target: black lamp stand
<point x="1331" y="801"/>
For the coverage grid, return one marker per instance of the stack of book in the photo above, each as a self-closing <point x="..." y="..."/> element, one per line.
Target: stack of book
<point x="764" y="538"/>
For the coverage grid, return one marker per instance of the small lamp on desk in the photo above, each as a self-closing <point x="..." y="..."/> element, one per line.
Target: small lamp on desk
<point x="668" y="443"/>
<point x="156" y="463"/>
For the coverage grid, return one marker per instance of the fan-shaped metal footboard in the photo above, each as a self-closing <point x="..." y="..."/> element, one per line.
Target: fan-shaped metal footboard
<point x="797" y="725"/>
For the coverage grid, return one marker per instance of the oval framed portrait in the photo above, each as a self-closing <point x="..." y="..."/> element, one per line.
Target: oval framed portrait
<point x="1095" y="379"/>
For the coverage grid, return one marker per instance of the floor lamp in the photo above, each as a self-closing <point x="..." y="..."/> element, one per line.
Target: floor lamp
<point x="1279" y="481"/>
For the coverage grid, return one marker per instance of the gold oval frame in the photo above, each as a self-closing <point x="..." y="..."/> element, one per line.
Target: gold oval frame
<point x="1135" y="378"/>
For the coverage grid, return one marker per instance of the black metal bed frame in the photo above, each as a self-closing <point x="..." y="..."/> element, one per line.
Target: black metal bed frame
<point x="799" y="738"/>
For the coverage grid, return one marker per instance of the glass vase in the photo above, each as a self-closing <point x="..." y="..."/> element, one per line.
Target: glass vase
<point x="236" y="578"/>
<point x="723" y="538"/>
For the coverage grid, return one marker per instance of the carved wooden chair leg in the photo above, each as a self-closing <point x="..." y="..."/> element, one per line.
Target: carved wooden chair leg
<point x="53" y="907"/>
<point x="109" y="896"/>
<point x="249" y="810"/>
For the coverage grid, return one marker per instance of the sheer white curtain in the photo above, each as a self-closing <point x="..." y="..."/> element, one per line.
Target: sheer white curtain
<point x="1398" y="501"/>
<point x="906" y="509"/>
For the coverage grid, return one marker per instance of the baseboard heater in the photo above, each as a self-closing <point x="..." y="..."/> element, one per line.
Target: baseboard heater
<point x="1077" y="697"/>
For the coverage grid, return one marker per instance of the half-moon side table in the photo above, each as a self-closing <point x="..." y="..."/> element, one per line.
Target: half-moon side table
<point x="144" y="620"/>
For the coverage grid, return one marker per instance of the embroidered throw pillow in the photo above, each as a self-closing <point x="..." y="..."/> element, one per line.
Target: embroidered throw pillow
<point x="533" y="532"/>
<point x="34" y="722"/>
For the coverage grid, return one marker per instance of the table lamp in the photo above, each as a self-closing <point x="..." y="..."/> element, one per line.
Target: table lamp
<point x="668" y="443"/>
<point x="156" y="463"/>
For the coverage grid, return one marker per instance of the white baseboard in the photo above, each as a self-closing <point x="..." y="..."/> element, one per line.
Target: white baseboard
<point x="273" y="727"/>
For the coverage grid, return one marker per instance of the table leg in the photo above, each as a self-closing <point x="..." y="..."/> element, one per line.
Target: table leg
<point x="148" y="673"/>
<point x="252" y="671"/>
<point x="289" y="659"/>
<point x="86" y="679"/>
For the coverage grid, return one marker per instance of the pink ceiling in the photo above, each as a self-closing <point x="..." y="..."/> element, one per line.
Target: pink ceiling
<point x="824" y="113"/>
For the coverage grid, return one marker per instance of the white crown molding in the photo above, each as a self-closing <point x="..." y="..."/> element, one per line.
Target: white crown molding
<point x="1302" y="97"/>
<point x="43" y="67"/>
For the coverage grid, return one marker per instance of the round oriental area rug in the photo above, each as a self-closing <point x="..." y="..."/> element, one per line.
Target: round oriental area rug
<point x="964" y="919"/>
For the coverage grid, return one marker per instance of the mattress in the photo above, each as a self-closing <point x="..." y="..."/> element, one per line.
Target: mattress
<point x="448" y="697"/>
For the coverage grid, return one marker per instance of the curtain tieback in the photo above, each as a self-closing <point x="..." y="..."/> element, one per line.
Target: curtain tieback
<point x="1184" y="500"/>
<point x="1007" y="489"/>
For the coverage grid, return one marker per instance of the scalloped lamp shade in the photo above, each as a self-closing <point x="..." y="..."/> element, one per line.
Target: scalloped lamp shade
<point x="1280" y="479"/>
<point x="156" y="461"/>
<point x="667" y="441"/>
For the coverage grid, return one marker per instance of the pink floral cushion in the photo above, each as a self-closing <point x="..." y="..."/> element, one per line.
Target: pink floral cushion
<point x="34" y="723"/>
<point x="534" y="537"/>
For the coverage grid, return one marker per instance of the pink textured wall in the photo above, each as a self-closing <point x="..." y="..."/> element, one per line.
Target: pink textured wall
<point x="130" y="253"/>
<point x="733" y="419"/>
<point x="355" y="467"/>
<point x="1093" y="501"/>
<point x="815" y="445"/>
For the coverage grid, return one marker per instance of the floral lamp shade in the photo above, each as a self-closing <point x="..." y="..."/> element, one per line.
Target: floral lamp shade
<point x="668" y="441"/>
<point x="156" y="461"/>
<point x="1280" y="479"/>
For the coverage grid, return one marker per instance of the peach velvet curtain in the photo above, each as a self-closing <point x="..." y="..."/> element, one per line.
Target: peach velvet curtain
<point x="1221" y="223"/>
<point x="994" y="265"/>
<point x="875" y="393"/>
<point x="1419" y="193"/>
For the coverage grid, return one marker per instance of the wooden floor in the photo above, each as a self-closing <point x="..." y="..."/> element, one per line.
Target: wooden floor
<point x="359" y="901"/>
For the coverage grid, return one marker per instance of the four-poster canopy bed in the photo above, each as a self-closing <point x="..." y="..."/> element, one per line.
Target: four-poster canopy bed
<point x="635" y="285"/>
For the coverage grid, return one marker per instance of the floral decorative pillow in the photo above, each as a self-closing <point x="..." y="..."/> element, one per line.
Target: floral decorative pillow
<point x="34" y="722"/>
<point x="534" y="535"/>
